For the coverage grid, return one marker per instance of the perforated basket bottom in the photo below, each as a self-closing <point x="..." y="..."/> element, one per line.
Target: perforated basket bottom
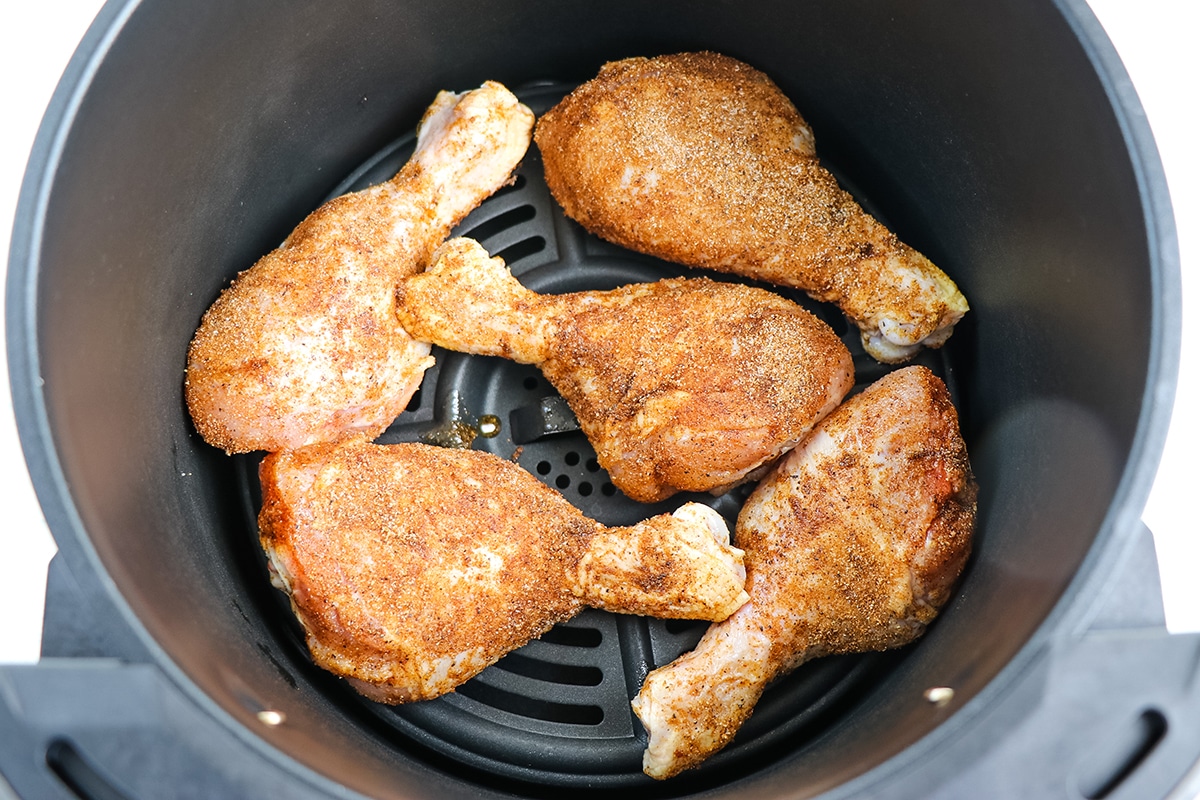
<point x="556" y="713"/>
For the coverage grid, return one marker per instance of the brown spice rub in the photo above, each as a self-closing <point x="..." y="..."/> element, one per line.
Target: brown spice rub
<point x="700" y="159"/>
<point x="683" y="384"/>
<point x="693" y="384"/>
<point x="853" y="543"/>
<point x="304" y="346"/>
<point x="413" y="567"/>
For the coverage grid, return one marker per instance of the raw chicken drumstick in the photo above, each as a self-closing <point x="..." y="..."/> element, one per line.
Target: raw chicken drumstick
<point x="413" y="567"/>
<point x="852" y="544"/>
<point x="685" y="385"/>
<point x="304" y="346"/>
<point x="700" y="159"/>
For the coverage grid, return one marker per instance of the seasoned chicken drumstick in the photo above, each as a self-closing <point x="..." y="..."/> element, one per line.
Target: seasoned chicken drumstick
<point x="414" y="567"/>
<point x="853" y="543"/>
<point x="700" y="159"/>
<point x="684" y="385"/>
<point x="304" y="346"/>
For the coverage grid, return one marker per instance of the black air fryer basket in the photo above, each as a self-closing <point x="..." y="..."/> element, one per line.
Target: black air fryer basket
<point x="187" y="139"/>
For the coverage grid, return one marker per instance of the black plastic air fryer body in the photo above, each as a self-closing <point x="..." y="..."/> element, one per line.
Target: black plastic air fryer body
<point x="186" y="139"/>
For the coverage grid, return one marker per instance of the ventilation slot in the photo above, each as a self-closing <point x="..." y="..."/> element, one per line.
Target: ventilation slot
<point x="414" y="402"/>
<point x="566" y="674"/>
<point x="537" y="708"/>
<point x="501" y="223"/>
<point x="678" y="627"/>
<point x="522" y="249"/>
<point x="573" y="637"/>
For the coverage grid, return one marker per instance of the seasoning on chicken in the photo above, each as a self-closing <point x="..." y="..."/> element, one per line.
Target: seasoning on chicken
<point x="304" y="347"/>
<point x="679" y="385"/>
<point x="413" y="567"/>
<point x="700" y="159"/>
<point x="852" y="544"/>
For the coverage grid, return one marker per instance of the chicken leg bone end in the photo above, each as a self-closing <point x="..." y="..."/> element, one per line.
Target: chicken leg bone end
<point x="679" y="565"/>
<point x="721" y="680"/>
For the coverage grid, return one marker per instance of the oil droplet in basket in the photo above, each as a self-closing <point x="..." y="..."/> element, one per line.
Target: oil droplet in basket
<point x="454" y="434"/>
<point x="489" y="426"/>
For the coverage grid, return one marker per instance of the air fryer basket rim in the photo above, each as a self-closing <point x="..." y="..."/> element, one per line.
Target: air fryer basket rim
<point x="1071" y="613"/>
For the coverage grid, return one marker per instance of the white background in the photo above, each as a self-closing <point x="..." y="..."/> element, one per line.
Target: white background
<point x="1156" y="40"/>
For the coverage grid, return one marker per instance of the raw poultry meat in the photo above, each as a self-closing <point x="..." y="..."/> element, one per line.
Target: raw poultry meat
<point x="413" y="567"/>
<point x="700" y="159"/>
<point x="853" y="543"/>
<point x="304" y="347"/>
<point x="689" y="385"/>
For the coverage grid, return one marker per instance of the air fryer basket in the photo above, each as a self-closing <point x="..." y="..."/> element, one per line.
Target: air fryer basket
<point x="565" y="698"/>
<point x="188" y="139"/>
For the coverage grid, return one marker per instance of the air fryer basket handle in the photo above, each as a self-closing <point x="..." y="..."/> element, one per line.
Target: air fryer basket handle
<point x="96" y="719"/>
<point x="101" y="729"/>
<point x="1113" y="712"/>
<point x="1110" y="715"/>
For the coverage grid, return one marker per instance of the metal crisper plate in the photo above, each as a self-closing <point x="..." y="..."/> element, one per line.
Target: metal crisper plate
<point x="556" y="712"/>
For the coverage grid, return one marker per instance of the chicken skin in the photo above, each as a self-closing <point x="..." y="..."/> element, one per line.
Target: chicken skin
<point x="304" y="347"/>
<point x="700" y="159"/>
<point x="852" y="544"/>
<point x="413" y="567"/>
<point x="679" y="385"/>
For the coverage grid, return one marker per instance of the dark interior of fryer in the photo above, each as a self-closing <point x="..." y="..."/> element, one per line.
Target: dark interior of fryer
<point x="981" y="135"/>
